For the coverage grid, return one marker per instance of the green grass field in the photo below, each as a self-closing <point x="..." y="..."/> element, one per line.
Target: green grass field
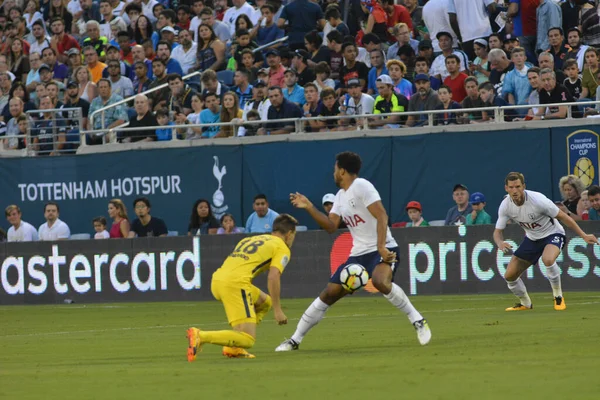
<point x="363" y="349"/>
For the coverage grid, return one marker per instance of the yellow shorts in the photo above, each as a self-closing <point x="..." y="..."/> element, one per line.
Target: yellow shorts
<point x="238" y="300"/>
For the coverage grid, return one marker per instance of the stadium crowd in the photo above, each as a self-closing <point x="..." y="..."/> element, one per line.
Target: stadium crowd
<point x="341" y="58"/>
<point x="469" y="209"/>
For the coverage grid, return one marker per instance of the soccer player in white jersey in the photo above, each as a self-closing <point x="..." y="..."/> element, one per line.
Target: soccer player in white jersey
<point x="358" y="204"/>
<point x="544" y="238"/>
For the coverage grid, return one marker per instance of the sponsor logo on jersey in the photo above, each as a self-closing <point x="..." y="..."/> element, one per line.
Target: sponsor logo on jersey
<point x="353" y="220"/>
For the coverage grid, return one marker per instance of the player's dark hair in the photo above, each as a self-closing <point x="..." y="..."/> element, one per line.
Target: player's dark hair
<point x="143" y="200"/>
<point x="349" y="161"/>
<point x="100" y="220"/>
<point x="285" y="223"/>
<point x="516" y="176"/>
<point x="261" y="196"/>
<point x="593" y="190"/>
<point x="51" y="203"/>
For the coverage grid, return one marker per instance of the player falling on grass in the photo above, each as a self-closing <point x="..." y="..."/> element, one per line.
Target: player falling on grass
<point x="544" y="237"/>
<point x="245" y="304"/>
<point x="359" y="205"/>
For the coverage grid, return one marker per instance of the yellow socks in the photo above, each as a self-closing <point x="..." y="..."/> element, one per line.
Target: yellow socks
<point x="228" y="338"/>
<point x="263" y="309"/>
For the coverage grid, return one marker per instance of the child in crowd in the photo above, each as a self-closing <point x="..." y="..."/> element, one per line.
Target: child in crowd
<point x="248" y="64"/>
<point x="573" y="80"/>
<point x="244" y="42"/>
<point x="415" y="213"/>
<point x="583" y="207"/>
<point x="250" y="129"/>
<point x="162" y="117"/>
<point x="322" y="71"/>
<point x="100" y="228"/>
<point x="228" y="225"/>
<point x="478" y="216"/>
<point x="331" y="107"/>
<point x="447" y="118"/>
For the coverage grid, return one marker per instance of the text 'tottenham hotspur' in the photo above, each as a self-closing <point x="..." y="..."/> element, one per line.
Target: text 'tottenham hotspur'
<point x="97" y="189"/>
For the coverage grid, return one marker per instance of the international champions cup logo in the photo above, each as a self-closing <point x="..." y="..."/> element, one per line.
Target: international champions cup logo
<point x="219" y="207"/>
<point x="583" y="155"/>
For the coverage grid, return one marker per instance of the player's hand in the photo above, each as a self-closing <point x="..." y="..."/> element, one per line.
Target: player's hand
<point x="299" y="200"/>
<point x="590" y="239"/>
<point x="505" y="247"/>
<point x="280" y="317"/>
<point x="387" y="256"/>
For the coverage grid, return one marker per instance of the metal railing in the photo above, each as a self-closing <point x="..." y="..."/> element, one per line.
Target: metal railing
<point x="59" y="134"/>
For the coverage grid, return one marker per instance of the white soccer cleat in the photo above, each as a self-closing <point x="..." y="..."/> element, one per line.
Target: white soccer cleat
<point x="423" y="331"/>
<point x="287" y="345"/>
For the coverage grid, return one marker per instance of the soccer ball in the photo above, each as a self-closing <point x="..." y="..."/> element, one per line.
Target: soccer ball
<point x="354" y="277"/>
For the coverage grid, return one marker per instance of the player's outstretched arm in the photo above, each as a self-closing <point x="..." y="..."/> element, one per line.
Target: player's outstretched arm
<point x="499" y="240"/>
<point x="274" y="285"/>
<point x="570" y="222"/>
<point x="329" y="223"/>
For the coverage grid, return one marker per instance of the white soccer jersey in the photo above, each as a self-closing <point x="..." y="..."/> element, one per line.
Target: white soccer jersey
<point x="536" y="216"/>
<point x="352" y="205"/>
<point x="25" y="233"/>
<point x="59" y="230"/>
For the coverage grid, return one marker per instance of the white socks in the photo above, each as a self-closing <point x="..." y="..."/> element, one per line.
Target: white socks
<point x="313" y="314"/>
<point x="519" y="290"/>
<point x="399" y="299"/>
<point x="553" y="274"/>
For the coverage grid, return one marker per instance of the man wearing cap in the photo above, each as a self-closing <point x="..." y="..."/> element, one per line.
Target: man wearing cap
<point x="72" y="100"/>
<point x="426" y="51"/>
<point x="470" y="21"/>
<point x="114" y="54"/>
<point x="327" y="202"/>
<point x="121" y="85"/>
<point x="276" y="70"/>
<point x="185" y="54"/>
<point x="436" y="18"/>
<point x="42" y="40"/>
<point x="74" y="60"/>
<point x="300" y="64"/>
<point x="292" y="91"/>
<point x="415" y="213"/>
<point x="478" y="216"/>
<point x="357" y="103"/>
<point x="259" y="102"/>
<point x="169" y="35"/>
<point x="438" y="68"/>
<point x="425" y="99"/>
<point x="457" y="215"/>
<point x="387" y="102"/>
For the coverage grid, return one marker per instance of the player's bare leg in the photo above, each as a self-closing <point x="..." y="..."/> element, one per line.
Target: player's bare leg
<point x="549" y="257"/>
<point x="515" y="268"/>
<point x="382" y="280"/>
<point x="313" y="314"/>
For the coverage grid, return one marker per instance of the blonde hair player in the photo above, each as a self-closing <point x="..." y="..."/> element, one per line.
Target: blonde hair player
<point x="544" y="238"/>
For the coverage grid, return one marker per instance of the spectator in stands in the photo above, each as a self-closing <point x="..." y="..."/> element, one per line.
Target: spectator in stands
<point x="353" y="69"/>
<point x="93" y="64"/>
<point x="470" y="21"/>
<point x="59" y="70"/>
<point x="74" y="60"/>
<point x="490" y="99"/>
<point x="301" y="16"/>
<point x="86" y="88"/>
<point x="426" y="51"/>
<point x="159" y="98"/>
<point x="220" y="28"/>
<point x="480" y="66"/>
<point x="261" y="220"/>
<point x="545" y="60"/>
<point x="323" y="73"/>
<point x="13" y="140"/>
<point x="584" y="206"/>
<point x="202" y="221"/>
<point x="114" y="116"/>
<point x="145" y="225"/>
<point x="589" y="22"/>
<point x="228" y="225"/>
<point x="557" y="48"/>
<point x="61" y="42"/>
<point x="210" y="115"/>
<point x="139" y="55"/>
<point x="33" y="76"/>
<point x="422" y="68"/>
<point x="589" y="84"/>
<point x="330" y="108"/>
<point x="240" y="7"/>
<point x="276" y="70"/>
<point x="471" y="101"/>
<point x="41" y="38"/>
<point x="143" y="118"/>
<point x="457" y="215"/>
<point x="594" y="200"/>
<point x="449" y="117"/>
<point x="183" y="17"/>
<point x="415" y="213"/>
<point x="20" y="231"/>
<point x="533" y="77"/>
<point x="438" y="68"/>
<point x="456" y="79"/>
<point x="478" y="216"/>
<point x="163" y="51"/>
<point x="500" y="67"/>
<point x="577" y="49"/>
<point x="74" y="101"/>
<point x="495" y="41"/>
<point x="100" y="228"/>
<point x="53" y="228"/>
<point x="357" y="103"/>
<point x="570" y="187"/>
<point x="141" y="82"/>
<point x="334" y="18"/>
<point x="211" y="50"/>
<point x="548" y="15"/>
<point x="336" y="59"/>
<point x="242" y="89"/>
<point x="551" y="93"/>
<point x="388" y="102"/>
<point x="573" y="80"/>
<point x="48" y="134"/>
<point x="259" y="102"/>
<point x="377" y="69"/>
<point x="94" y="39"/>
<point x="230" y="112"/>
<point x="292" y="91"/>
<point x="300" y="64"/>
<point x="397" y="71"/>
<point x="266" y="30"/>
<point x="312" y="107"/>
<point x="280" y="109"/>
<point x="121" y="85"/>
<point x="118" y="212"/>
<point x="5" y="86"/>
<point x="401" y="33"/>
<point x="516" y="84"/>
<point x="425" y="99"/>
<point x="185" y="54"/>
<point x="180" y="95"/>
<point x="18" y="62"/>
<point x="248" y="64"/>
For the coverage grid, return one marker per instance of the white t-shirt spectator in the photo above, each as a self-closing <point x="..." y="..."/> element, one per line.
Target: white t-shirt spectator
<point x="187" y="60"/>
<point x="233" y="13"/>
<point x="25" y="233"/>
<point x="438" y="67"/>
<point x="365" y="105"/>
<point x="102" y="235"/>
<point x="435" y="16"/>
<point x="147" y="10"/>
<point x="473" y="19"/>
<point x="123" y="87"/>
<point x="58" y="230"/>
<point x="74" y="7"/>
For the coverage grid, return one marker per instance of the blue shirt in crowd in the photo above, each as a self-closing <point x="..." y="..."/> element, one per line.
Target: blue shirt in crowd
<point x="256" y="224"/>
<point x="207" y="117"/>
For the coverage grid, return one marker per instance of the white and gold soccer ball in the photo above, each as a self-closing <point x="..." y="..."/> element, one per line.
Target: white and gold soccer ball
<point x="354" y="277"/>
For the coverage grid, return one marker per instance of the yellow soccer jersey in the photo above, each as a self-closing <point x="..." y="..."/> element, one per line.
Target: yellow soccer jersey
<point x="252" y="256"/>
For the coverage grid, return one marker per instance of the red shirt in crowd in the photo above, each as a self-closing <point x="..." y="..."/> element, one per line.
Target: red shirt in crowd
<point x="528" y="10"/>
<point x="457" y="85"/>
<point x="68" y="42"/>
<point x="400" y="14"/>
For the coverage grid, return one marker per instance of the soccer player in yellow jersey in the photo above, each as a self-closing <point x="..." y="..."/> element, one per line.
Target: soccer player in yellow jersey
<point x="245" y="304"/>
